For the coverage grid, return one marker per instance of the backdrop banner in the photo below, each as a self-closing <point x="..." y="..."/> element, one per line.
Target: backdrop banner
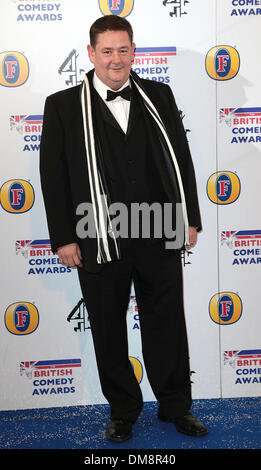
<point x="205" y="51"/>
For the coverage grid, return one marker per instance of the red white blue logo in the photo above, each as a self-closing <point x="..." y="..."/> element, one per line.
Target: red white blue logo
<point x="26" y="122"/>
<point x="244" y="357"/>
<point x="155" y="51"/>
<point x="33" y="247"/>
<point x="51" y="377"/>
<point x="245" y="246"/>
<point x="243" y="124"/>
<point x="153" y="63"/>
<point x="49" y="368"/>
<point x="133" y="311"/>
<point x="245" y="365"/>
<point x="40" y="258"/>
<point x="30" y="127"/>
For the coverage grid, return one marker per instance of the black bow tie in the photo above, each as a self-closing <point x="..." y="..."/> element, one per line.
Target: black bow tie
<point x="125" y="93"/>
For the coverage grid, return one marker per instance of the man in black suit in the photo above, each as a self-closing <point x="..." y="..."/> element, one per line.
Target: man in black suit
<point x="103" y="148"/>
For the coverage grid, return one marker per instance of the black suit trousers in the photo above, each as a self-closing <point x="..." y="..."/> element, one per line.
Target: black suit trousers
<point x="157" y="276"/>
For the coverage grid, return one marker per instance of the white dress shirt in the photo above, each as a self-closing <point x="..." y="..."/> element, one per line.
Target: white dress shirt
<point x="119" y="107"/>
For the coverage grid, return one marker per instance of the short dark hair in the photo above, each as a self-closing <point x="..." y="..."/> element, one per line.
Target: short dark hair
<point x="109" y="23"/>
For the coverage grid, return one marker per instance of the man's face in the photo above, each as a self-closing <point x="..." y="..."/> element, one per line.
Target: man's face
<point x="112" y="57"/>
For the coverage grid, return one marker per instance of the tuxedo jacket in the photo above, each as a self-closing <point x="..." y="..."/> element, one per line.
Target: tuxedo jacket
<point x="63" y="164"/>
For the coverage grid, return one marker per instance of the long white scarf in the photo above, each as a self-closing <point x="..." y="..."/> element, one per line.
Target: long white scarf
<point x="98" y="196"/>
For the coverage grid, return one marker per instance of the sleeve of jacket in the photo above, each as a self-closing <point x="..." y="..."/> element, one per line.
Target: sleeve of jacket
<point x="54" y="179"/>
<point x="186" y="166"/>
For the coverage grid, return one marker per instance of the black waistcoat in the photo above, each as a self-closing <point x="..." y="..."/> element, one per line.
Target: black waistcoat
<point x="129" y="165"/>
<point x="128" y="160"/>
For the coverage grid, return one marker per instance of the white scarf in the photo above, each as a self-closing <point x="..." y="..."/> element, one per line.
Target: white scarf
<point x="98" y="195"/>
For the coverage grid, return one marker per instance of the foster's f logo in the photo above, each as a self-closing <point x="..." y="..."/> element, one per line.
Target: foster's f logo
<point x="17" y="196"/>
<point x="21" y="318"/>
<point x="116" y="7"/>
<point x="225" y="308"/>
<point x="223" y="187"/>
<point x="14" y="69"/>
<point x="137" y="368"/>
<point x="222" y="62"/>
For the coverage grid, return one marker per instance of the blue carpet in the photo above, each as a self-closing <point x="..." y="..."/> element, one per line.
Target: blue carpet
<point x="232" y="424"/>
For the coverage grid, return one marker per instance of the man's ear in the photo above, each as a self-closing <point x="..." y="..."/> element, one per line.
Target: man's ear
<point x="133" y="47"/>
<point x="91" y="53"/>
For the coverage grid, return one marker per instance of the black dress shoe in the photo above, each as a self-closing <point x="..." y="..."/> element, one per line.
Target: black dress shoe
<point x="119" y="430"/>
<point x="188" y="424"/>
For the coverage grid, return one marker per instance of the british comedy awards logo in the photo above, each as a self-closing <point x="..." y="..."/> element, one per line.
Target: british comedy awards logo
<point x="133" y="312"/>
<point x="245" y="8"/>
<point x="51" y="377"/>
<point x="39" y="258"/>
<point x="222" y="63"/>
<point x="30" y="11"/>
<point x="245" y="365"/>
<point x="241" y="125"/>
<point x="29" y="127"/>
<point x="153" y="63"/>
<point x="244" y="246"/>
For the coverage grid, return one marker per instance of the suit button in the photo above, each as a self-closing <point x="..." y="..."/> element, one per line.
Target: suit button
<point x="133" y="181"/>
<point x="130" y="161"/>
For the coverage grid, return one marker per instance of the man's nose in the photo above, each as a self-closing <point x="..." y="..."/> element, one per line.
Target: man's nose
<point x="116" y="57"/>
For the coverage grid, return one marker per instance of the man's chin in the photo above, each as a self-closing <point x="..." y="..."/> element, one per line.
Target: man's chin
<point x="118" y="77"/>
<point x="116" y="84"/>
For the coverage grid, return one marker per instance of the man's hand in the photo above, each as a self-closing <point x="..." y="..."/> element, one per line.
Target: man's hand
<point x="70" y="255"/>
<point x="193" y="236"/>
